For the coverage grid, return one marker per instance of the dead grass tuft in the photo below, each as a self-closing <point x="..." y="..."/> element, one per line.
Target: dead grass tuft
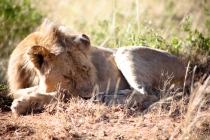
<point x="83" y="119"/>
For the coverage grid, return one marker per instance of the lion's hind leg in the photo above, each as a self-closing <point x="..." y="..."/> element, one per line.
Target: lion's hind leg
<point x="136" y="71"/>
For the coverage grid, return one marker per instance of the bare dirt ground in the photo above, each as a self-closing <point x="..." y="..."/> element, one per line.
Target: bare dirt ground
<point x="179" y="118"/>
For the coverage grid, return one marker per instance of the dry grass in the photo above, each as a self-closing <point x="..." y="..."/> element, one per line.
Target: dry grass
<point x="177" y="118"/>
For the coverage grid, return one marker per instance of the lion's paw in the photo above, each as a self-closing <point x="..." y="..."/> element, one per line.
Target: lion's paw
<point x="20" y="106"/>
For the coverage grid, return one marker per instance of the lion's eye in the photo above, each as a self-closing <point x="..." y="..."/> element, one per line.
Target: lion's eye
<point x="70" y="80"/>
<point x="67" y="77"/>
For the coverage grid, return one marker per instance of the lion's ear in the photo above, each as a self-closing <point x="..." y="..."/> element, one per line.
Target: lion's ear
<point x="38" y="54"/>
<point x="83" y="42"/>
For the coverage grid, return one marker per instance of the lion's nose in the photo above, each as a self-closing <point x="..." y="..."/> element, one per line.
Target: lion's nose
<point x="86" y="93"/>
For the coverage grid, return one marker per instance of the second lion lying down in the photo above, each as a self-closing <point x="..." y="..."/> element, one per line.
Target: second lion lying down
<point x="56" y="61"/>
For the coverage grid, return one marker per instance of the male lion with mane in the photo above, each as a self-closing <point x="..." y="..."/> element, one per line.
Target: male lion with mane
<point x="56" y="61"/>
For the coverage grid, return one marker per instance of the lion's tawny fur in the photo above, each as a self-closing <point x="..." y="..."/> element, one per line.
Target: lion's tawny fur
<point x="56" y="60"/>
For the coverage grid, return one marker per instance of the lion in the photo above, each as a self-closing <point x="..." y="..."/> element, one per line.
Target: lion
<point x="56" y="61"/>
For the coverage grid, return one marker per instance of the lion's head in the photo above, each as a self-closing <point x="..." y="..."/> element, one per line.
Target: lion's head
<point x="61" y="59"/>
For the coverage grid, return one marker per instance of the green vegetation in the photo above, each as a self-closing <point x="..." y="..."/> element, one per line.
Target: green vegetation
<point x="172" y="30"/>
<point x="196" y="40"/>
<point x="18" y="19"/>
<point x="3" y="87"/>
<point x="172" y="26"/>
<point x="175" y="29"/>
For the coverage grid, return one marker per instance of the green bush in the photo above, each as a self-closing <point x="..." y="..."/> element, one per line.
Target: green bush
<point x="196" y="41"/>
<point x="17" y="18"/>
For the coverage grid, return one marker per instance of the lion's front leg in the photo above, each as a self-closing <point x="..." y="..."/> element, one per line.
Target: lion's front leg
<point x="22" y="104"/>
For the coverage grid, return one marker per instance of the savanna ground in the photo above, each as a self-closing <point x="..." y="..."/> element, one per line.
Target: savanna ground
<point x="180" y="27"/>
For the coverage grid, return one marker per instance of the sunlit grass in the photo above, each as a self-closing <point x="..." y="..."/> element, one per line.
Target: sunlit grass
<point x="114" y="23"/>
